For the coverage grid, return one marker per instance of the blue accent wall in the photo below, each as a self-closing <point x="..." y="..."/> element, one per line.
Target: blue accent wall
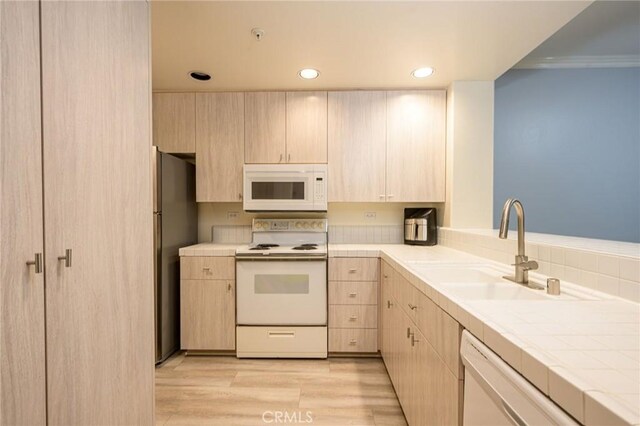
<point x="567" y="144"/>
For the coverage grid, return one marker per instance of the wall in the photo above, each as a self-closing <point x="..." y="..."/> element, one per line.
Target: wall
<point x="567" y="144"/>
<point x="339" y="214"/>
<point x="469" y="155"/>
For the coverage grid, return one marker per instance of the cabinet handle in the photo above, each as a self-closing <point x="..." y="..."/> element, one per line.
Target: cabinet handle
<point x="353" y="341"/>
<point x="206" y="269"/>
<point x="37" y="263"/>
<point x="353" y="318"/>
<point x="389" y="304"/>
<point x="412" y="307"/>
<point x="353" y="294"/>
<point x="381" y="196"/>
<point x="353" y="271"/>
<point x="390" y="196"/>
<point x="414" y="340"/>
<point x="289" y="158"/>
<point x="386" y="276"/>
<point x="66" y="258"/>
<point x="239" y="196"/>
<point x="280" y="160"/>
<point x="228" y="286"/>
<point x="409" y="333"/>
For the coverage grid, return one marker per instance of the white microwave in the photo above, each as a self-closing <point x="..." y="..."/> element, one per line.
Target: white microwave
<point x="285" y="187"/>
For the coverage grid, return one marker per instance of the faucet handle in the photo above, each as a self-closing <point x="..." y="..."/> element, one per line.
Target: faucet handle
<point x="528" y="265"/>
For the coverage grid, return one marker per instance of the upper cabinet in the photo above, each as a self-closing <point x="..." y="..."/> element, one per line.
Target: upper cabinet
<point x="416" y="146"/>
<point x="357" y="133"/>
<point x="174" y="122"/>
<point x="219" y="146"/>
<point x="285" y="128"/>
<point x="306" y="127"/>
<point x="264" y="127"/>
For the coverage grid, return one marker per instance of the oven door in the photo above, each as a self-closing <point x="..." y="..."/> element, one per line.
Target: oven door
<point x="281" y="292"/>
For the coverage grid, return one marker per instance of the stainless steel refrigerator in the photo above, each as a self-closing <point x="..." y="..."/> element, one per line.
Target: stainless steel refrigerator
<point x="175" y="218"/>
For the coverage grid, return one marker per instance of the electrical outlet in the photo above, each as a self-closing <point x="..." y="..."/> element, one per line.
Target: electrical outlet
<point x="369" y="215"/>
<point x="232" y="215"/>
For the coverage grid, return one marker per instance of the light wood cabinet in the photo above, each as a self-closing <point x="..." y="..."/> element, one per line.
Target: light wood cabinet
<point x="219" y="146"/>
<point x="96" y="124"/>
<point x="357" y="147"/>
<point x="264" y="127"/>
<point x="418" y="349"/>
<point x="306" y="134"/>
<point x="415" y="160"/>
<point x="77" y="343"/>
<point x="207" y="303"/>
<point x="353" y="304"/>
<point x="207" y="314"/>
<point x="22" y="322"/>
<point x="174" y="122"/>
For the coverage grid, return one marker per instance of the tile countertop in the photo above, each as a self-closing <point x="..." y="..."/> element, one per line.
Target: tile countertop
<point x="583" y="354"/>
<point x="209" y="249"/>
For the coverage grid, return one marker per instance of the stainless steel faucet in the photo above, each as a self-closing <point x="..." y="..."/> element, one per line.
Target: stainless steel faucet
<point x="523" y="264"/>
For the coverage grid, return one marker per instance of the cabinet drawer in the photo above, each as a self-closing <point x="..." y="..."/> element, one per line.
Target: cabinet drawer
<point x="353" y="340"/>
<point x="207" y="268"/>
<point x="353" y="269"/>
<point x="353" y="293"/>
<point x="353" y="316"/>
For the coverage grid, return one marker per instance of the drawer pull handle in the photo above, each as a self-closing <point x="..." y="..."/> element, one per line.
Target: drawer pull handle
<point x="353" y="342"/>
<point x="414" y="340"/>
<point x="353" y="318"/>
<point x="282" y="334"/>
<point x="353" y="294"/>
<point x="353" y="271"/>
<point x="389" y="304"/>
<point x="412" y="307"/>
<point x="206" y="269"/>
<point x="386" y="276"/>
<point x="409" y="333"/>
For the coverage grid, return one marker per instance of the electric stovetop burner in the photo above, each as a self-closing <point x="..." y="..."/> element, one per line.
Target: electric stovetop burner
<point x="264" y="246"/>
<point x="306" y="247"/>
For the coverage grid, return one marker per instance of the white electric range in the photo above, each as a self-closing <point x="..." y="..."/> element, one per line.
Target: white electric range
<point x="281" y="290"/>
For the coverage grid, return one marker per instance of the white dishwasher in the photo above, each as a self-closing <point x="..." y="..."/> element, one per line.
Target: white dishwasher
<point x="495" y="394"/>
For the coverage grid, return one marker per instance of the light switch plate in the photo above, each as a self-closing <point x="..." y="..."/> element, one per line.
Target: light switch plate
<point x="232" y="215"/>
<point x="370" y="215"/>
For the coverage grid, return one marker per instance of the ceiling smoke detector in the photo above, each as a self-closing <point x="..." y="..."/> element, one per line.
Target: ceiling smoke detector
<point x="257" y="33"/>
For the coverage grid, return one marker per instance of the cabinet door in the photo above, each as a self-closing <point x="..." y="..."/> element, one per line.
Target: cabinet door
<point x="416" y="145"/>
<point x="264" y="127"/>
<point x="219" y="146"/>
<point x="174" y="122"/>
<point x="22" y="350"/>
<point x="207" y="314"/>
<point x="306" y="127"/>
<point x="356" y="133"/>
<point x="97" y="192"/>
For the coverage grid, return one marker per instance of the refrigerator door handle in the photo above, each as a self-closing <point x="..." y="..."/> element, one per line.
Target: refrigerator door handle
<point x="157" y="294"/>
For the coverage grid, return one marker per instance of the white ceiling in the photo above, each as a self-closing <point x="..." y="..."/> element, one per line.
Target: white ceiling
<point x="606" y="28"/>
<point x="354" y="44"/>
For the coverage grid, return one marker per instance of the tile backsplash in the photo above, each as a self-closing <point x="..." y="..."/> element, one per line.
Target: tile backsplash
<point x="231" y="234"/>
<point x="608" y="266"/>
<point x="366" y="234"/>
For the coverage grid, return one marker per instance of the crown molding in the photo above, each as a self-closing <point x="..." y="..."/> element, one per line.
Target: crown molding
<point x="602" y="61"/>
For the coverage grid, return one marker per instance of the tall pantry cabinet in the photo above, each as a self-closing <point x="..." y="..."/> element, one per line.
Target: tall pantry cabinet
<point x="77" y="327"/>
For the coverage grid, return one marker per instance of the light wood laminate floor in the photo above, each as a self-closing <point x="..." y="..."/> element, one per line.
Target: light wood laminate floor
<point x="223" y="390"/>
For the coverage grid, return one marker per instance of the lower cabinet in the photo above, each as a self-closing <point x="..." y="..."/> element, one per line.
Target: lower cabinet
<point x="207" y="303"/>
<point x="353" y="305"/>
<point x="428" y="388"/>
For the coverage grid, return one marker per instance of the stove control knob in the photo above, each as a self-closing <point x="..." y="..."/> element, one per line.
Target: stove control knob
<point x="319" y="225"/>
<point x="298" y="225"/>
<point x="260" y="225"/>
<point x="306" y="225"/>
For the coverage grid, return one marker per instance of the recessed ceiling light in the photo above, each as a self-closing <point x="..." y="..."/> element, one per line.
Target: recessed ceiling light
<point x="199" y="75"/>
<point x="309" y="73"/>
<point x="422" y="72"/>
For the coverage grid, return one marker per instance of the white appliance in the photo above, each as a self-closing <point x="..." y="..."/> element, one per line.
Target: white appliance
<point x="281" y="290"/>
<point x="496" y="395"/>
<point x="285" y="187"/>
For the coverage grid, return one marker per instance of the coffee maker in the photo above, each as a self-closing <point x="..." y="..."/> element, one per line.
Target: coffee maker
<point x="420" y="227"/>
